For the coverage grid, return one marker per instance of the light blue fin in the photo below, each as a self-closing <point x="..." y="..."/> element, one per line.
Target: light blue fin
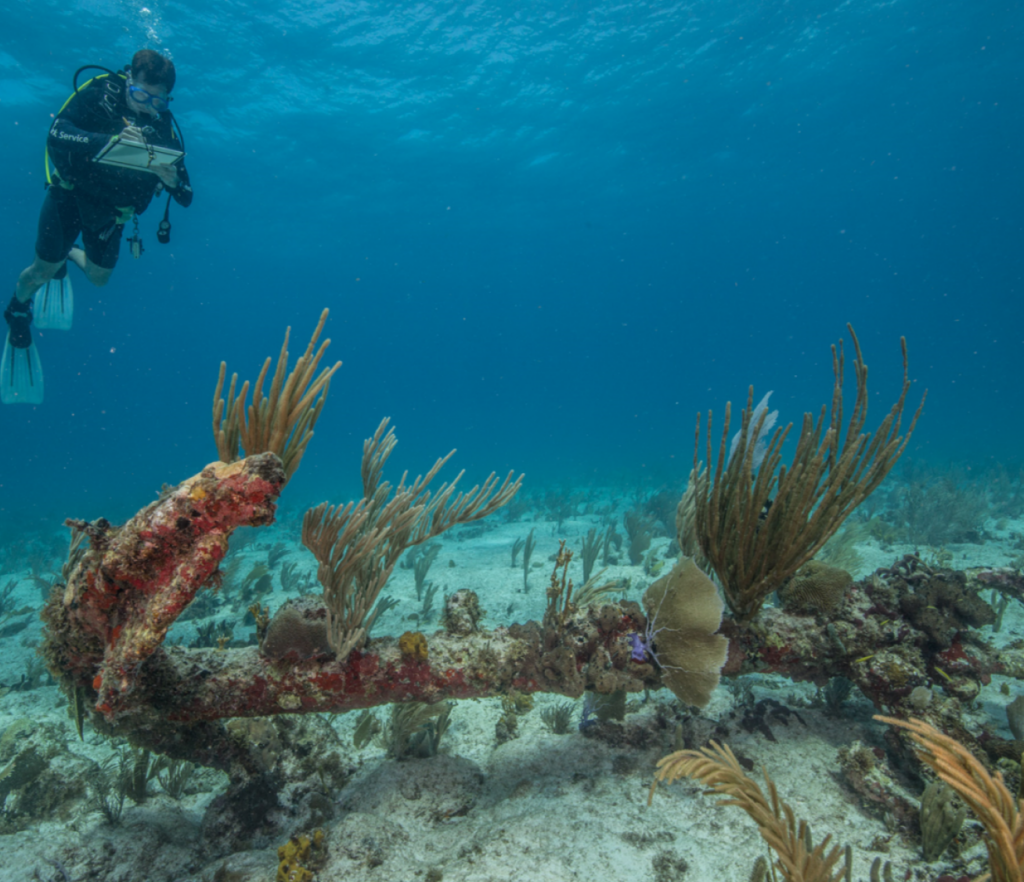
<point x="55" y="304"/>
<point x="21" y="375"/>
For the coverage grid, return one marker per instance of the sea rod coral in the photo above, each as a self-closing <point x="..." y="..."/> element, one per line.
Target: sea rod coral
<point x="757" y="525"/>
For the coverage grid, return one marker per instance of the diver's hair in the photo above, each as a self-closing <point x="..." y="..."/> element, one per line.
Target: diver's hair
<point x="153" y="68"/>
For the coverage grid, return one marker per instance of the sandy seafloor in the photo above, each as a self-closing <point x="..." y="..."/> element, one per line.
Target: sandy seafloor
<point x="540" y="807"/>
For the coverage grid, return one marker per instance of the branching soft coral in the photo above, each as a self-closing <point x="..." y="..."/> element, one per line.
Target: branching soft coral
<point x="988" y="797"/>
<point x="717" y="767"/>
<point x="756" y="526"/>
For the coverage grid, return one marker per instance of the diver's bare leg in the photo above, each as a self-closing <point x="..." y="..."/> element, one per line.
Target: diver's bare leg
<point x="77" y="256"/>
<point x="98" y="275"/>
<point x="33" y="278"/>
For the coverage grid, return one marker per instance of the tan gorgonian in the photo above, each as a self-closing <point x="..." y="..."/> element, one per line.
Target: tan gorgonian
<point x="717" y="767"/>
<point x="358" y="545"/>
<point x="281" y="422"/>
<point x="758" y="525"/>
<point x="684" y="613"/>
<point x="988" y="797"/>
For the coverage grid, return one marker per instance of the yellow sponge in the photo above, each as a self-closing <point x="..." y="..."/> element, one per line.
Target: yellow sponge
<point x="293" y="854"/>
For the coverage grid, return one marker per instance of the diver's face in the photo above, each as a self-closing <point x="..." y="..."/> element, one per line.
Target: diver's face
<point x="145" y="97"/>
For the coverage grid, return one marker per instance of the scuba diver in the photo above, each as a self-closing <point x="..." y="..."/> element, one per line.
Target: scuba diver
<point x="95" y="190"/>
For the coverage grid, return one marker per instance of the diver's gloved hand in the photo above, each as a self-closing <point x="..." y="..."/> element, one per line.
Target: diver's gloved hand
<point x="19" y="317"/>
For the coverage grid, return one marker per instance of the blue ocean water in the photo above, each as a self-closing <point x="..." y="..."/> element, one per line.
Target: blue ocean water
<point x="548" y="234"/>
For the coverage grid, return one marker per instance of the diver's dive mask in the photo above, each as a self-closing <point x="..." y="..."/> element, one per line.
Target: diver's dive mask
<point x="148" y="99"/>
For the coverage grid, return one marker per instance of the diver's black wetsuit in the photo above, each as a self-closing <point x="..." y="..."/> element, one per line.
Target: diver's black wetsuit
<point x="91" y="204"/>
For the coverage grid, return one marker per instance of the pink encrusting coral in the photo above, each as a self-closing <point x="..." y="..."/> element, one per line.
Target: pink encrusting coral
<point x="135" y="581"/>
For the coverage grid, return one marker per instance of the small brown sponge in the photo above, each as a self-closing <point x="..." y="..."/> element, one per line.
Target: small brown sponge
<point x="942" y="816"/>
<point x="816" y="587"/>
<point x="414" y="645"/>
<point x="462" y="613"/>
<point x="297" y="631"/>
<point x="296" y="852"/>
<point x="685" y="611"/>
<point x="21" y="771"/>
<point x="1015" y="717"/>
